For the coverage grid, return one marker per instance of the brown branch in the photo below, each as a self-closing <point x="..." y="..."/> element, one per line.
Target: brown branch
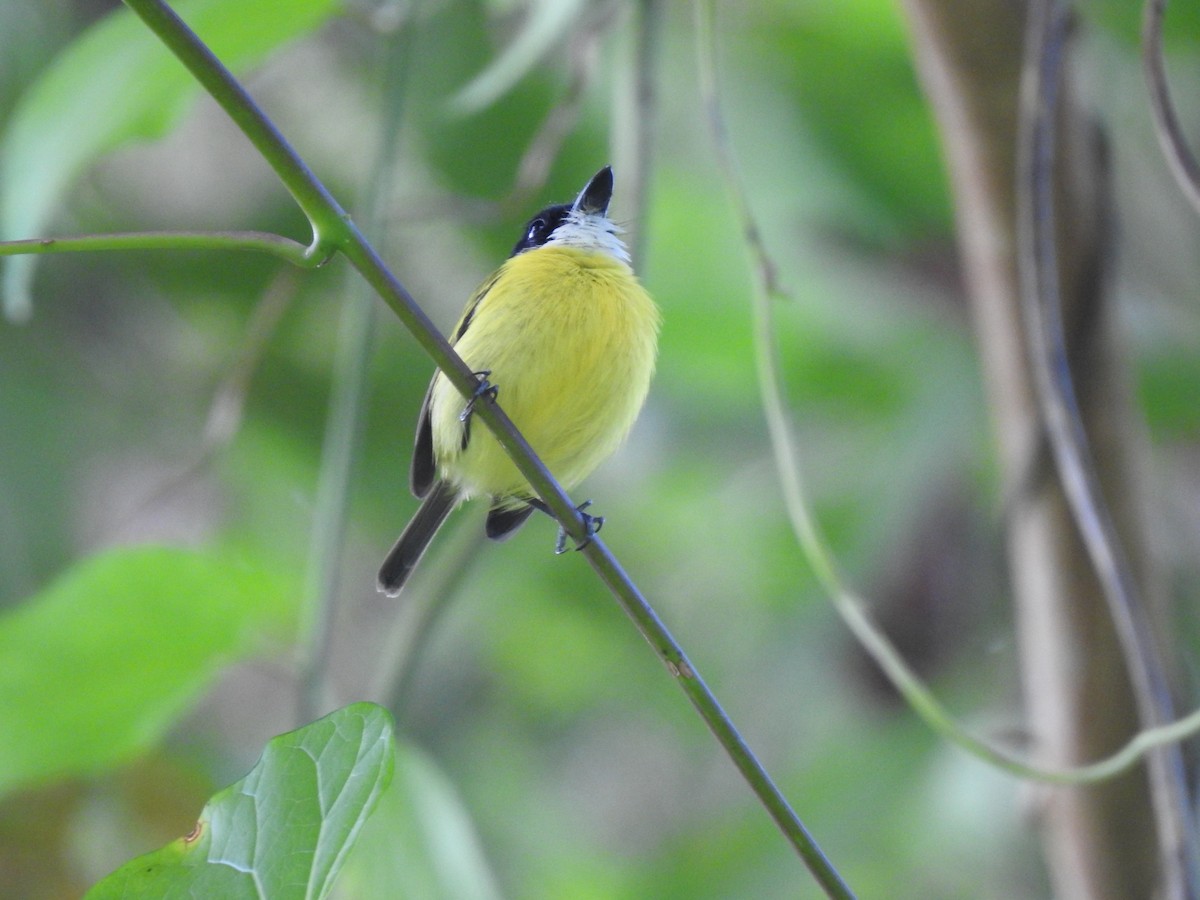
<point x="1041" y="302"/>
<point x="1180" y="158"/>
<point x="1078" y="697"/>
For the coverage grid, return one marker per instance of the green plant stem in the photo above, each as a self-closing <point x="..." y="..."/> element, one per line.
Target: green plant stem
<point x="339" y="453"/>
<point x="808" y="533"/>
<point x="1182" y="162"/>
<point x="347" y="408"/>
<point x="256" y="241"/>
<point x="333" y="228"/>
<point x="318" y="205"/>
<point x="706" y="704"/>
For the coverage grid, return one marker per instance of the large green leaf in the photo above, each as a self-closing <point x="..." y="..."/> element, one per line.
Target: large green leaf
<point x="115" y="84"/>
<point x="282" y="831"/>
<point x="96" y="667"/>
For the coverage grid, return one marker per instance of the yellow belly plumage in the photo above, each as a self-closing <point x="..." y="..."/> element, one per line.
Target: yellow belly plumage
<point x="569" y="336"/>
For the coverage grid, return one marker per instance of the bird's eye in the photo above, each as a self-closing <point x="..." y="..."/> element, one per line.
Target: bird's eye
<point x="536" y="227"/>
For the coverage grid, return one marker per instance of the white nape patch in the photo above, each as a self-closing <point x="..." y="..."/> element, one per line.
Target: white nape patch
<point x="590" y="231"/>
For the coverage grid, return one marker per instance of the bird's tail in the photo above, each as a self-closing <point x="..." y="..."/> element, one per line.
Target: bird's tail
<point x="410" y="546"/>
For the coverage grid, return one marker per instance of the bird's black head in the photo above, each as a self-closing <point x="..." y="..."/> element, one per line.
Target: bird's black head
<point x="592" y="203"/>
<point x="540" y="227"/>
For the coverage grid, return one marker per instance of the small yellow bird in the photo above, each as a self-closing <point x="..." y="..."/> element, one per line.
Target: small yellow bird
<point x="567" y="336"/>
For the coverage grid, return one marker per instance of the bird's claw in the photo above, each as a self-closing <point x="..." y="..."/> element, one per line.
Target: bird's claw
<point x="591" y="524"/>
<point x="484" y="389"/>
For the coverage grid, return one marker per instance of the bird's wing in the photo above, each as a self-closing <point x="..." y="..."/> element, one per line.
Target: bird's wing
<point x="423" y="471"/>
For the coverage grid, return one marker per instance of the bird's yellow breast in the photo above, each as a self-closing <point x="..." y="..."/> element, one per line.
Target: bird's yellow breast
<point x="570" y="338"/>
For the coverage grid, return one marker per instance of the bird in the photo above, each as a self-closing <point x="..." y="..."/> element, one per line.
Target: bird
<point x="565" y="337"/>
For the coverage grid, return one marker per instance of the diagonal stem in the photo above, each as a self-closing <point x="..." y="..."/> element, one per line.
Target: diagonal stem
<point x="333" y="228"/>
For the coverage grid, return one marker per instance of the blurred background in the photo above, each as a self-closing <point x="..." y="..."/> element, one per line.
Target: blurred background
<point x="180" y="400"/>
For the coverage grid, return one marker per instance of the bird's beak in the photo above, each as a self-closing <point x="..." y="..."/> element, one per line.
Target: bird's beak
<point x="594" y="198"/>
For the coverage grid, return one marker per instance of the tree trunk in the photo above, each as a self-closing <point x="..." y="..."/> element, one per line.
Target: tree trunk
<point x="1099" y="841"/>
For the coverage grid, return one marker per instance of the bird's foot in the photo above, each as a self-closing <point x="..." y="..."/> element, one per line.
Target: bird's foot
<point x="484" y="389"/>
<point x="591" y="524"/>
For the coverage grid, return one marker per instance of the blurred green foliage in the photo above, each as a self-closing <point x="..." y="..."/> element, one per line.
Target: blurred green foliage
<point x="114" y="618"/>
<point x="557" y="759"/>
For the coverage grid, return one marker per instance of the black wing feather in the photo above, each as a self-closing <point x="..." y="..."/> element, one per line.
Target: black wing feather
<point x="501" y="523"/>
<point x="423" y="471"/>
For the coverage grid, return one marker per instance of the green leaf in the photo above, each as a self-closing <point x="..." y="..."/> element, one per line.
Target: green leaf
<point x="101" y="663"/>
<point x="115" y="84"/>
<point x="282" y="831"/>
